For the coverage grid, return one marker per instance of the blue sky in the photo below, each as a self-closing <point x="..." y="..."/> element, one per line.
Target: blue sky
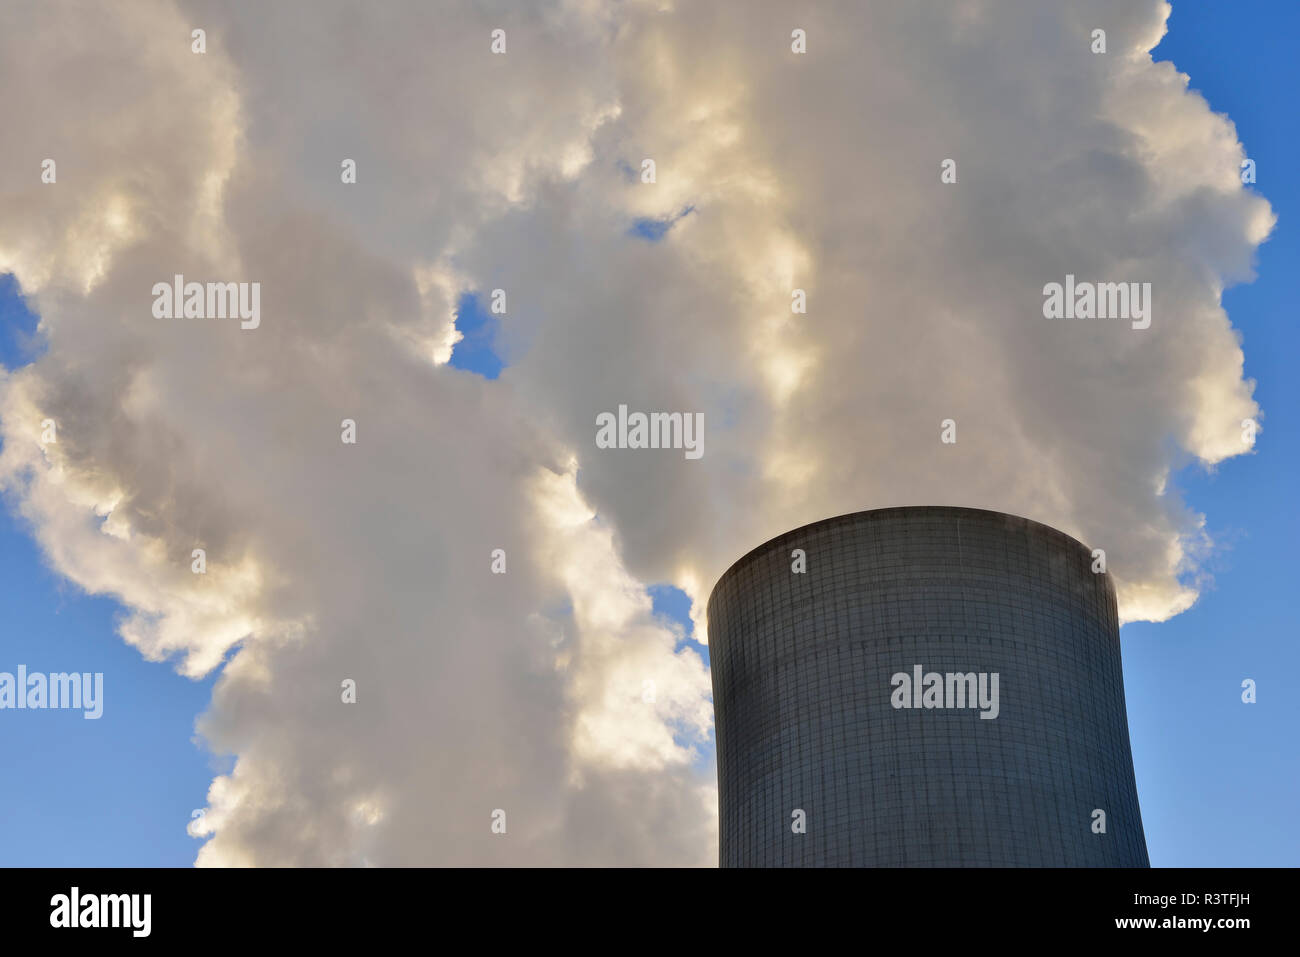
<point x="475" y="352"/>
<point x="116" y="791"/>
<point x="1218" y="779"/>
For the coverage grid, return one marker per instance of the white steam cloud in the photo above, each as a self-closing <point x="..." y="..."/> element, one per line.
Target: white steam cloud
<point x="552" y="692"/>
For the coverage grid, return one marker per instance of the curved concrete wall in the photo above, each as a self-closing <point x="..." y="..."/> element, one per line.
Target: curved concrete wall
<point x="805" y="698"/>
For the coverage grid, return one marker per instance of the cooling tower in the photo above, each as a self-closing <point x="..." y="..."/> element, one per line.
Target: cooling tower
<point x="922" y="686"/>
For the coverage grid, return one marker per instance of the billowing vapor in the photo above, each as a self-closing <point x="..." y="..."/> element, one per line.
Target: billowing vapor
<point x="552" y="692"/>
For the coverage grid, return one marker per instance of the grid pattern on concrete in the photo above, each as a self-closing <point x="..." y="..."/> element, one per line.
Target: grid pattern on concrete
<point x="802" y="667"/>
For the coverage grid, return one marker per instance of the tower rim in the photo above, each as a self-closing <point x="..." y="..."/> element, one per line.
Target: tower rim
<point x="1051" y="530"/>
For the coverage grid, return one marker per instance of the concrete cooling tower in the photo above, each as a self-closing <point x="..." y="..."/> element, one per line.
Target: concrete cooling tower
<point x="922" y="686"/>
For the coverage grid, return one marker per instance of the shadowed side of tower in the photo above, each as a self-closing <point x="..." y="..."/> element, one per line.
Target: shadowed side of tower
<point x="939" y="687"/>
